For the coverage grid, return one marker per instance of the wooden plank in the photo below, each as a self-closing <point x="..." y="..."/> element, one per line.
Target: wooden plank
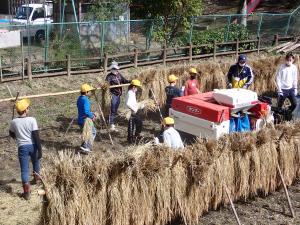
<point x="286" y="47"/>
<point x="291" y="48"/>
<point x="279" y="46"/>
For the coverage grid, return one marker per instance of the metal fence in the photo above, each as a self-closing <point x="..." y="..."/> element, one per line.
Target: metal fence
<point x="46" y="45"/>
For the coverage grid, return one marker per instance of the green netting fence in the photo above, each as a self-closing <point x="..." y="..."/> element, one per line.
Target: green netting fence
<point x="50" y="42"/>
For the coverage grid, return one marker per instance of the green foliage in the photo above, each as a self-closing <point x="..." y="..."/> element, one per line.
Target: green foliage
<point x="106" y="10"/>
<point x="175" y="16"/>
<point x="207" y="37"/>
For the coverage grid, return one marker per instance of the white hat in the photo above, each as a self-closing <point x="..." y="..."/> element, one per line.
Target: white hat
<point x="114" y="65"/>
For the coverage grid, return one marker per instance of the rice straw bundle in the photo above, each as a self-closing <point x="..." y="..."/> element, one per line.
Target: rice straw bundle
<point x="148" y="185"/>
<point x="86" y="134"/>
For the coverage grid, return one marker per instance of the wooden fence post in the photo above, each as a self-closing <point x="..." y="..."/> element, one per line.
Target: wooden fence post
<point x="105" y="63"/>
<point x="68" y="57"/>
<point x="135" y="58"/>
<point x="190" y="51"/>
<point x="237" y="46"/>
<point x="258" y="45"/>
<point x="164" y="54"/>
<point x="29" y="71"/>
<point x="215" y="49"/>
<point x="276" y="37"/>
<point x="1" y="73"/>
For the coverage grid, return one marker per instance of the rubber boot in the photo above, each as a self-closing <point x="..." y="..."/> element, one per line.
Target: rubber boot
<point x="26" y="191"/>
<point x="36" y="180"/>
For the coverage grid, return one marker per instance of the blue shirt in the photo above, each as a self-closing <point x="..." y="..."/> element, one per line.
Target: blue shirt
<point x="84" y="109"/>
<point x="172" y="92"/>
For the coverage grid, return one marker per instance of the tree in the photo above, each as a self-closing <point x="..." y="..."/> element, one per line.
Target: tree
<point x="107" y="10"/>
<point x="175" y="14"/>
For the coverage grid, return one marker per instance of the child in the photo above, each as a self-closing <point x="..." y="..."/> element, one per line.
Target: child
<point x="25" y="130"/>
<point x="172" y="92"/>
<point x="171" y="137"/>
<point x="86" y="117"/>
<point x="135" y="123"/>
<point x="192" y="85"/>
<point x="287" y="82"/>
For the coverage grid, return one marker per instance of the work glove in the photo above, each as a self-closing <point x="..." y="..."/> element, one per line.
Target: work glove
<point x="295" y="91"/>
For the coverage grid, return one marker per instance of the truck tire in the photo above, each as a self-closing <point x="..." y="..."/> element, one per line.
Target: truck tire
<point x="40" y="36"/>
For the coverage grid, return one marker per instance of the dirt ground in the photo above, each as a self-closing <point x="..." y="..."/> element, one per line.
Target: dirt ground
<point x="54" y="114"/>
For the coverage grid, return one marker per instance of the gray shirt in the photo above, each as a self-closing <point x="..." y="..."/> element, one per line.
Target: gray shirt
<point x="23" y="127"/>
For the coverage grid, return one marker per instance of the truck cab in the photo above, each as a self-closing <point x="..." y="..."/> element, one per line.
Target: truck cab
<point x="37" y="16"/>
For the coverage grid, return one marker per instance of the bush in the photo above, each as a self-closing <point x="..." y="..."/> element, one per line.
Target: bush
<point x="207" y="37"/>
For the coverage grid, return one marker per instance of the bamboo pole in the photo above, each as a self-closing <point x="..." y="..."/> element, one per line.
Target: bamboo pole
<point x="286" y="191"/>
<point x="14" y="106"/>
<point x="232" y="205"/>
<point x="57" y="93"/>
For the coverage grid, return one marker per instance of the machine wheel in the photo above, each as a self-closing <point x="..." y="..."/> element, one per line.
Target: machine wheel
<point x="40" y="36"/>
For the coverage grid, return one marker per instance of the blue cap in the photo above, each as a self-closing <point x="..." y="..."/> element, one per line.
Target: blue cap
<point x="242" y="58"/>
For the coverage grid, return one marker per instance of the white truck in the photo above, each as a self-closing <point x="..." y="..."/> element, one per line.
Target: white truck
<point x="37" y="16"/>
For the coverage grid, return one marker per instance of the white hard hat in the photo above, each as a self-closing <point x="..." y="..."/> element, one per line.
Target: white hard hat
<point x="114" y="65"/>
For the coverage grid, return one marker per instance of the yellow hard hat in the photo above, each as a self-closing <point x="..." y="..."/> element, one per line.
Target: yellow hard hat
<point x="168" y="121"/>
<point x="172" y="78"/>
<point x="136" y="83"/>
<point x="193" y="70"/>
<point x="86" y="88"/>
<point x="22" y="105"/>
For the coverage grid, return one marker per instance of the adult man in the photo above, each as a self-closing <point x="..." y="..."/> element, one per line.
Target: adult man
<point x="115" y="78"/>
<point x="171" y="136"/>
<point x="240" y="75"/>
<point x="172" y="91"/>
<point x="135" y="123"/>
<point x="287" y="81"/>
<point x="192" y="85"/>
<point x="25" y="130"/>
<point x="86" y="117"/>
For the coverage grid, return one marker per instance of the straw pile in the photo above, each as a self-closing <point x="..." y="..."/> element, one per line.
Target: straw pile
<point x="213" y="74"/>
<point x="149" y="185"/>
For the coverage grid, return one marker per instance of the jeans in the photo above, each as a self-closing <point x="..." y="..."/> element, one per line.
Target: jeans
<point x="94" y="133"/>
<point x="135" y="125"/>
<point x="115" y="102"/>
<point x="290" y="94"/>
<point x="24" y="152"/>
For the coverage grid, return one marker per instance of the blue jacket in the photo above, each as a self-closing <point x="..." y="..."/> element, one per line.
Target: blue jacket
<point x="84" y="109"/>
<point x="244" y="75"/>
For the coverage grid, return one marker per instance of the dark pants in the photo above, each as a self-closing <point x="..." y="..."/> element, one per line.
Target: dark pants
<point x="115" y="102"/>
<point x="24" y="152"/>
<point x="135" y="125"/>
<point x="290" y="94"/>
<point x="167" y="107"/>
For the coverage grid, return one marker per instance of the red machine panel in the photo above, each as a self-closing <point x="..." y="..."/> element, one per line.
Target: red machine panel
<point x="259" y="109"/>
<point x="194" y="106"/>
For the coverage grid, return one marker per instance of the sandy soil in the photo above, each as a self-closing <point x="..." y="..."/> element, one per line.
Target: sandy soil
<point x="54" y="115"/>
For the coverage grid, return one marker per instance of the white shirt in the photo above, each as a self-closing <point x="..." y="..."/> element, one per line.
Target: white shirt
<point x="131" y="102"/>
<point x="172" y="138"/>
<point x="23" y="127"/>
<point x="286" y="77"/>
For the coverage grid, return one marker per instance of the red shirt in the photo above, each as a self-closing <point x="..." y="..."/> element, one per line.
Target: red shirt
<point x="191" y="87"/>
